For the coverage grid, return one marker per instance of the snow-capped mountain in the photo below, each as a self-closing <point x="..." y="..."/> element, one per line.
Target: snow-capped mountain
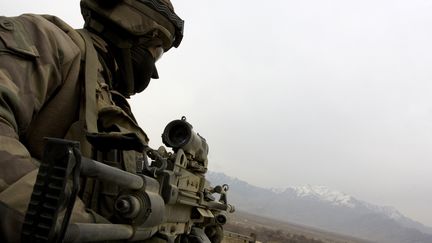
<point x="322" y="193"/>
<point x="322" y="207"/>
<point x="337" y="198"/>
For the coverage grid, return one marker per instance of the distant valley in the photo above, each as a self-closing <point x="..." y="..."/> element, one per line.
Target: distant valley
<point x="326" y="209"/>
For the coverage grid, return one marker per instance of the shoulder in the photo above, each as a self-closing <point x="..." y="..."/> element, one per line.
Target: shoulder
<point x="36" y="36"/>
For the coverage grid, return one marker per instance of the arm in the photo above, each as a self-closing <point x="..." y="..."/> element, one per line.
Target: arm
<point x="31" y="73"/>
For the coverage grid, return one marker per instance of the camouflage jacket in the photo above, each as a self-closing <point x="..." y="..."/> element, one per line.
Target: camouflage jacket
<point x="42" y="90"/>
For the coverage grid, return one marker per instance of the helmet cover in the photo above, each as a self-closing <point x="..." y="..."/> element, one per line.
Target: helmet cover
<point x="138" y="18"/>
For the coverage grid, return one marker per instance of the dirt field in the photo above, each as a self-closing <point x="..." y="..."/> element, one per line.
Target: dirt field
<point x="273" y="231"/>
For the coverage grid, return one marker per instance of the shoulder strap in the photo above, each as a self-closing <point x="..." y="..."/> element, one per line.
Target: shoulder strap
<point x="90" y="76"/>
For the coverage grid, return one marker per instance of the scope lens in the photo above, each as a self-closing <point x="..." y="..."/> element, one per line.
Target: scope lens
<point x="179" y="135"/>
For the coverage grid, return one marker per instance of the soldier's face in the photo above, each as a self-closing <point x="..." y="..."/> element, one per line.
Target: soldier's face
<point x="143" y="65"/>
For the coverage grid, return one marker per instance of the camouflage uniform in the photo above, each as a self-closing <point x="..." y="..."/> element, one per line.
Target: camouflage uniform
<point x="64" y="83"/>
<point x="41" y="95"/>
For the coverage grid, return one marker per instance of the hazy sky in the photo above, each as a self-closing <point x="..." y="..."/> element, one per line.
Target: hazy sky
<point x="321" y="92"/>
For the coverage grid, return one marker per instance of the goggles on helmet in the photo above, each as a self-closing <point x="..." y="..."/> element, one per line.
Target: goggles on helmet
<point x="171" y="16"/>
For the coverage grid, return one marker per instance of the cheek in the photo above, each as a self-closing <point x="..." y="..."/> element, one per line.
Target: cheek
<point x="143" y="72"/>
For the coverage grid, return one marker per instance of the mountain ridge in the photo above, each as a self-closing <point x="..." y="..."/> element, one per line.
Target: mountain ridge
<point x="322" y="207"/>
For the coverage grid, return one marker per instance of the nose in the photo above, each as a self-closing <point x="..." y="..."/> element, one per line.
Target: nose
<point x="156" y="51"/>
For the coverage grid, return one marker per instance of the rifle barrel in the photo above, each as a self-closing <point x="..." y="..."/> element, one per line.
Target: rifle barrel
<point x="87" y="232"/>
<point x="98" y="170"/>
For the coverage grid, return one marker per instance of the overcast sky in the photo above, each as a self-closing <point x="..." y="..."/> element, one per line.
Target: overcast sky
<point x="321" y="92"/>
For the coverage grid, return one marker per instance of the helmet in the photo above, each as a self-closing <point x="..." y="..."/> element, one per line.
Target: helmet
<point x="130" y="27"/>
<point x="128" y="21"/>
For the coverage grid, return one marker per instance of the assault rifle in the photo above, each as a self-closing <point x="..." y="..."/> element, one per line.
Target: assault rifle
<point x="170" y="197"/>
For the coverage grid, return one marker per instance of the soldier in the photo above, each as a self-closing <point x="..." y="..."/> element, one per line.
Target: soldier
<point x="59" y="82"/>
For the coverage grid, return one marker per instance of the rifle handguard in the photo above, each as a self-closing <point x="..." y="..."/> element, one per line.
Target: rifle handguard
<point x="61" y="163"/>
